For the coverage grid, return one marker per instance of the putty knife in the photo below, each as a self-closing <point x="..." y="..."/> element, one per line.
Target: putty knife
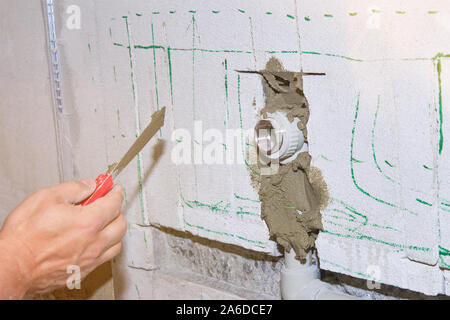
<point x="105" y="182"/>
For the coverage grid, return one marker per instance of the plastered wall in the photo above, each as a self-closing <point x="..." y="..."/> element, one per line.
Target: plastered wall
<point x="377" y="129"/>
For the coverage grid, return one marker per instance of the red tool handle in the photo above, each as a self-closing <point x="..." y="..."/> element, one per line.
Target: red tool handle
<point x="104" y="183"/>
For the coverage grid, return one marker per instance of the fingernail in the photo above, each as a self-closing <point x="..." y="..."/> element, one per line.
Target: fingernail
<point x="90" y="183"/>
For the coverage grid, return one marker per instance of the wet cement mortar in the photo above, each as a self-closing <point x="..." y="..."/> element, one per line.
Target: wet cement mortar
<point x="291" y="197"/>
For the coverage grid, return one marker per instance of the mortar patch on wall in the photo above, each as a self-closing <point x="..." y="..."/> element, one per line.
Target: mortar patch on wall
<point x="293" y="195"/>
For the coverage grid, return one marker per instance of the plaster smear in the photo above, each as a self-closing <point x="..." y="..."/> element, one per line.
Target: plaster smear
<point x="291" y="199"/>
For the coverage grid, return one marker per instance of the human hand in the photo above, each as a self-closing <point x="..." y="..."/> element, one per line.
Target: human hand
<point x="48" y="232"/>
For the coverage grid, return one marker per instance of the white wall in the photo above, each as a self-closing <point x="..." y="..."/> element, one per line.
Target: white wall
<point x="378" y="126"/>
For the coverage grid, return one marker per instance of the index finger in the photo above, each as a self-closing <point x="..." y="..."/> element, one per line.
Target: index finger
<point x="106" y="209"/>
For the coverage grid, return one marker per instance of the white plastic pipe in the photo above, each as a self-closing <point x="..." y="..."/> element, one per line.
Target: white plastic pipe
<point x="302" y="281"/>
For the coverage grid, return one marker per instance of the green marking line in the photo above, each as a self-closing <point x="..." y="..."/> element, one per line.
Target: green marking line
<point x="154" y="71"/>
<point x="215" y="207"/>
<point x="169" y="59"/>
<point x="441" y="120"/>
<point x="290" y="16"/>
<point x="327" y="15"/>
<point x="155" y="12"/>
<point x="148" y="47"/>
<point x="139" y="14"/>
<point x="226" y="89"/>
<point x="268" y="13"/>
<point x="215" y="11"/>
<point x="400" y="12"/>
<point x="247" y="199"/>
<point x="223" y="233"/>
<point x="390" y="165"/>
<point x="352" y="14"/>
<point x="325" y="158"/>
<point x="241" y="11"/>
<point x="138" y="293"/>
<point x="141" y="193"/>
<point x="242" y="212"/>
<point x="172" y="12"/>
<point x="433" y="12"/>
<point x="426" y="167"/>
<point x="352" y="170"/>
<point x="424" y="202"/>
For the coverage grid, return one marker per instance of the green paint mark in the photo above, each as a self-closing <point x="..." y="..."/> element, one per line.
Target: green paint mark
<point x="110" y="33"/>
<point x="170" y="74"/>
<point x="390" y="165"/>
<point x="196" y="142"/>
<point x="115" y="75"/>
<point x="141" y="194"/>
<point x="432" y="12"/>
<point x="325" y="158"/>
<point x="356" y="160"/>
<point x="138" y="293"/>
<point x="148" y="47"/>
<point x="400" y="12"/>
<point x="118" y="44"/>
<point x="219" y="207"/>
<point x="89" y="47"/>
<point x="215" y="11"/>
<point x="374" y="152"/>
<point x="193" y="66"/>
<point x="226" y="89"/>
<point x="242" y="212"/>
<point x="154" y="72"/>
<point x="139" y="14"/>
<point x="209" y="230"/>
<point x="268" y="13"/>
<point x="192" y="11"/>
<point x="424" y="202"/>
<point x="376" y="10"/>
<point x="307" y="18"/>
<point x="428" y="168"/>
<point x="241" y="11"/>
<point x="244" y="198"/>
<point x="352" y="14"/>
<point x="355" y="183"/>
<point x="290" y="207"/>
<point x="223" y="233"/>
<point x="441" y="120"/>
<point x="172" y="12"/>
<point x="327" y="15"/>
<point x="290" y="16"/>
<point x="155" y="12"/>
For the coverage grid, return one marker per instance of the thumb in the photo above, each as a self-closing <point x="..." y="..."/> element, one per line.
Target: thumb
<point x="73" y="191"/>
